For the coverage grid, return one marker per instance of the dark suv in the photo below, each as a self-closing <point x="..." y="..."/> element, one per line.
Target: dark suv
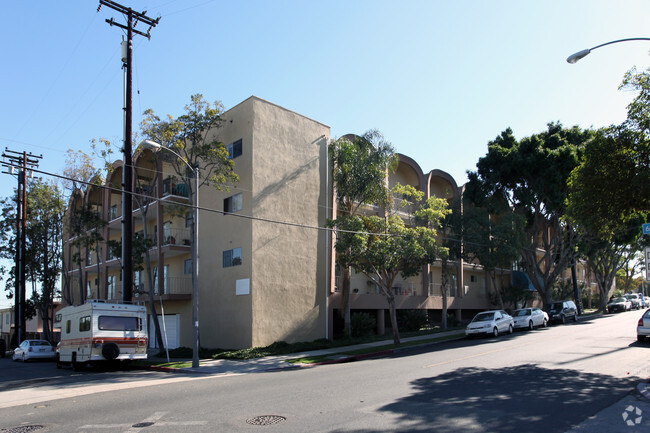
<point x="560" y="311"/>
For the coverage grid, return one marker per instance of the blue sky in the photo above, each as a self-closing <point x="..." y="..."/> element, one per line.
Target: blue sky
<point x="438" y="79"/>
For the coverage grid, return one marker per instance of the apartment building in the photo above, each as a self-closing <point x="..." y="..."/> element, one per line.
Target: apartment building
<point x="266" y="268"/>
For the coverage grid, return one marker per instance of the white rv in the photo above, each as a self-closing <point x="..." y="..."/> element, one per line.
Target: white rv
<point x="100" y="331"/>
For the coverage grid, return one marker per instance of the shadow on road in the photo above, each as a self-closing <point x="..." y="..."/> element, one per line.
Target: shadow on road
<point x="525" y="398"/>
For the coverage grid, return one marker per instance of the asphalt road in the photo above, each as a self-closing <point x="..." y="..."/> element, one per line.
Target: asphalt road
<point x="546" y="380"/>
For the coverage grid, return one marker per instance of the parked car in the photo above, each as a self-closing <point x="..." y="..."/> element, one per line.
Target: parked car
<point x="530" y="318"/>
<point x="642" y="301"/>
<point x="634" y="299"/>
<point x="560" y="311"/>
<point x="643" y="327"/>
<point x="616" y="305"/>
<point x="647" y="301"/>
<point x="491" y="322"/>
<point x="33" y="349"/>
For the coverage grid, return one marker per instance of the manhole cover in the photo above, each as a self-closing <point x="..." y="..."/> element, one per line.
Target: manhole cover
<point x="266" y="420"/>
<point x="23" y="429"/>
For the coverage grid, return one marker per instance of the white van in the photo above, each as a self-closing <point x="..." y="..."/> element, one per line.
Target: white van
<point x="101" y="331"/>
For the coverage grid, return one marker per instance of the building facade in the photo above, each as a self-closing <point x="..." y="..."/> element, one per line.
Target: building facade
<point x="266" y="263"/>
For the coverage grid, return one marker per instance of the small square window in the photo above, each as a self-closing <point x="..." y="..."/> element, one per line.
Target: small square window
<point x="232" y="257"/>
<point x="233" y="203"/>
<point x="235" y="149"/>
<point x="473" y="278"/>
<point x="188" y="266"/>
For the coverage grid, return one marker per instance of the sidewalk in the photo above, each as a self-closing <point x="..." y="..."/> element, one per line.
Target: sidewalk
<point x="274" y="363"/>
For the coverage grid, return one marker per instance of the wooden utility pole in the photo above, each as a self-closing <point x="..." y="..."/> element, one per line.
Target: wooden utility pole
<point x="21" y="161"/>
<point x="132" y="19"/>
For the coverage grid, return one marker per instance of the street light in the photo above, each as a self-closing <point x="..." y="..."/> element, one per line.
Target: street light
<point x="195" y="251"/>
<point x="580" y="54"/>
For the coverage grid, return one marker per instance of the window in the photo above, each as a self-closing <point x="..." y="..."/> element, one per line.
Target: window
<point x="234" y="149"/>
<point x="232" y="257"/>
<point x="165" y="280"/>
<point x="473" y="278"/>
<point x="84" y="323"/>
<point x="188" y="266"/>
<point x="116" y="323"/>
<point x="233" y="203"/>
<point x="111" y="287"/>
<point x="67" y="327"/>
<point x="188" y="219"/>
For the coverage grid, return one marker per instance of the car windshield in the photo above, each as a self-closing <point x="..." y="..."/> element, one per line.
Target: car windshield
<point x="483" y="317"/>
<point x="556" y="306"/>
<point x="40" y="343"/>
<point x="525" y="312"/>
<point x="616" y="300"/>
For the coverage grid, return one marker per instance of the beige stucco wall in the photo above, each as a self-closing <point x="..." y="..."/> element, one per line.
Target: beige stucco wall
<point x="282" y="178"/>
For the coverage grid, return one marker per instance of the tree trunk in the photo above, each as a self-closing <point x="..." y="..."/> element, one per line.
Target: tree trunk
<point x="345" y="303"/>
<point x="393" y="319"/>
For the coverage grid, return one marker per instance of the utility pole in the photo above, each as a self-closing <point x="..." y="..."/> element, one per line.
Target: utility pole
<point x="132" y="19"/>
<point x="22" y="161"/>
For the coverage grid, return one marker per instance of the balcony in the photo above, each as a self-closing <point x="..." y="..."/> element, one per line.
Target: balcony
<point x="435" y="289"/>
<point x="171" y="187"/>
<point x="176" y="286"/>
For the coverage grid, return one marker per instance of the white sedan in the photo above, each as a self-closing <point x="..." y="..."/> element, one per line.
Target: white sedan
<point x="33" y="349"/>
<point x="530" y="318"/>
<point x="490" y="322"/>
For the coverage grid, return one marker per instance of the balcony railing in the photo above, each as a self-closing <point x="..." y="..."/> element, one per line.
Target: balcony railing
<point x="176" y="286"/>
<point x="435" y="289"/>
<point x="172" y="187"/>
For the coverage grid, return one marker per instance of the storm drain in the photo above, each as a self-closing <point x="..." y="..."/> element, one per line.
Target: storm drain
<point x="266" y="420"/>
<point x="23" y="429"/>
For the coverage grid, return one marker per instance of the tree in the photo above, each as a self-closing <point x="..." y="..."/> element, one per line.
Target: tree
<point x="494" y="240"/>
<point x="43" y="246"/>
<point x="530" y="177"/>
<point x="193" y="147"/>
<point x="385" y="247"/>
<point x="359" y="169"/>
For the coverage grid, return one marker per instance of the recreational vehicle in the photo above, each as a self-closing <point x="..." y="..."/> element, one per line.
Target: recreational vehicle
<point x="101" y="331"/>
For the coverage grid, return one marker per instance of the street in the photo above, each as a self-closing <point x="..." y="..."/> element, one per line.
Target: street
<point x="546" y="380"/>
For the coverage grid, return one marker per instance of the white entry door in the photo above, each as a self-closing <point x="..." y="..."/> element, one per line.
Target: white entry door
<point x="170" y="327"/>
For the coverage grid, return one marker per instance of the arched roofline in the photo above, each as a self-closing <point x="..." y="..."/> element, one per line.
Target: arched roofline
<point x="410" y="162"/>
<point x="444" y="175"/>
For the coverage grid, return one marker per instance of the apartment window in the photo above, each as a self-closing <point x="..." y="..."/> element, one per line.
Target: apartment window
<point x="234" y="149"/>
<point x="165" y="279"/>
<point x="233" y="203"/>
<point x="89" y="289"/>
<point x="188" y="266"/>
<point x="111" y="287"/>
<point x="232" y="257"/>
<point x="473" y="278"/>
<point x="188" y="219"/>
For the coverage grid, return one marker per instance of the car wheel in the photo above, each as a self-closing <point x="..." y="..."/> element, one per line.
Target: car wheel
<point x="511" y="329"/>
<point x="563" y="319"/>
<point x="640" y="338"/>
<point x="73" y="363"/>
<point x="530" y="325"/>
<point x="575" y="317"/>
<point x="57" y="357"/>
<point x="545" y="323"/>
<point x="495" y="332"/>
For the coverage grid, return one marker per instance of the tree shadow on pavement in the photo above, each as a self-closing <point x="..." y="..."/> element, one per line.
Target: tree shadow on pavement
<point x="515" y="399"/>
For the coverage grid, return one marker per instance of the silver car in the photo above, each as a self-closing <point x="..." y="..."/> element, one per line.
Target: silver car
<point x="643" y="327"/>
<point x="530" y="318"/>
<point x="490" y="322"/>
<point x="33" y="349"/>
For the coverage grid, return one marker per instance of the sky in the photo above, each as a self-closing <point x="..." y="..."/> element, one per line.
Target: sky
<point x="439" y="79"/>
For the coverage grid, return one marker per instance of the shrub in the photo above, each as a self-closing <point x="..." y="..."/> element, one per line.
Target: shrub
<point x="411" y="320"/>
<point x="362" y="324"/>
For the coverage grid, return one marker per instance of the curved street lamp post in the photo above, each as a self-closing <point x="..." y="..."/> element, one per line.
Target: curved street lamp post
<point x="580" y="54"/>
<point x="195" y="251"/>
